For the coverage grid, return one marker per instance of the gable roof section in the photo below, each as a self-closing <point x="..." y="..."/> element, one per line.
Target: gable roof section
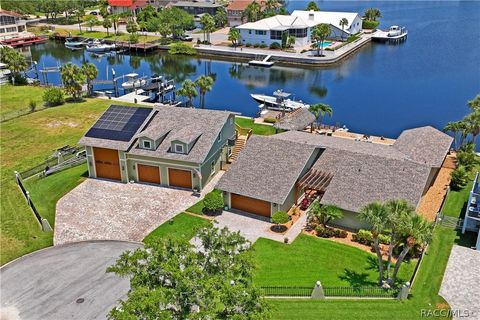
<point x="267" y="169"/>
<point x="329" y="17"/>
<point x="183" y="123"/>
<point x="424" y="145"/>
<point x="359" y="179"/>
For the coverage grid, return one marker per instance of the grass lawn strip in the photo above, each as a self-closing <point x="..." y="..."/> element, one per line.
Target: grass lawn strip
<point x="260" y="129"/>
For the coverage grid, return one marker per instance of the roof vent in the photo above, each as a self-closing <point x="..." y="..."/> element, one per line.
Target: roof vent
<point x="311" y="15"/>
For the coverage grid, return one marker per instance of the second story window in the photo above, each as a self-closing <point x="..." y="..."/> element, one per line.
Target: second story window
<point x="179" y="148"/>
<point x="147" y="144"/>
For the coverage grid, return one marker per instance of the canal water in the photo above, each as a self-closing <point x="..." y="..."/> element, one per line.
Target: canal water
<point x="382" y="89"/>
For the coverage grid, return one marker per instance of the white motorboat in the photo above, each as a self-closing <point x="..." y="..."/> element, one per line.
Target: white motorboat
<point x="394" y="31"/>
<point x="99" y="48"/>
<point x="133" y="81"/>
<point x="279" y="101"/>
<point x="73" y="43"/>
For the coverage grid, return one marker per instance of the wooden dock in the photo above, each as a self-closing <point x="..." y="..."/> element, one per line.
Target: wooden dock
<point x="123" y="45"/>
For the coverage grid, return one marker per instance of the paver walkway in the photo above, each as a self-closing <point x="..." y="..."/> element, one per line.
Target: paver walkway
<point x="48" y="283"/>
<point x="461" y="283"/>
<point x="107" y="210"/>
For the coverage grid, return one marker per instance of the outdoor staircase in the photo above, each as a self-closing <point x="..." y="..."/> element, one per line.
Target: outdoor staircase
<point x="242" y="136"/>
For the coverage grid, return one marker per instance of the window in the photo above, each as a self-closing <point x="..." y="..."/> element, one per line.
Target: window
<point x="260" y="32"/>
<point x="298" y="33"/>
<point x="219" y="138"/>
<point x="179" y="148"/>
<point x="147" y="144"/>
<point x="275" y="35"/>
<point x="212" y="168"/>
<point x="249" y="31"/>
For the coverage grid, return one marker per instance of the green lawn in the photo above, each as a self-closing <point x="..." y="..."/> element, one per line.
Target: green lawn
<point x="183" y="227"/>
<point x="45" y="192"/>
<point x="260" y="129"/>
<point x="198" y="207"/>
<point x="25" y="142"/>
<point x="309" y="259"/>
<point x="13" y="100"/>
<point x="456" y="202"/>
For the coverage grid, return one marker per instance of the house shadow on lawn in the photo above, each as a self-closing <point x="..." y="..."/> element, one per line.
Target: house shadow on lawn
<point x="356" y="279"/>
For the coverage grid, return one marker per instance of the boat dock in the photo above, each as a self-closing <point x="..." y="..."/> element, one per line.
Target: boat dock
<point x="25" y="41"/>
<point x="123" y="45"/>
<point x="262" y="63"/>
<point x="383" y="36"/>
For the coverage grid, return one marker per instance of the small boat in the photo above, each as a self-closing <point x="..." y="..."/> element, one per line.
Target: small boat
<point x="279" y="101"/>
<point x="156" y="78"/>
<point x="394" y="31"/>
<point x="102" y="47"/>
<point x="133" y="81"/>
<point x="5" y="74"/>
<point x="74" y="43"/>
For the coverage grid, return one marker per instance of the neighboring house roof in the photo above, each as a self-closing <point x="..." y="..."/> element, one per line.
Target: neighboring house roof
<point x="329" y="17"/>
<point x="425" y="145"/>
<point x="10" y="13"/>
<point x="128" y="3"/>
<point x="196" y="4"/>
<point x="266" y="169"/>
<point x="183" y="123"/>
<point x="109" y="131"/>
<point x="239" y="5"/>
<point x="278" y="22"/>
<point x="296" y="120"/>
<point x="359" y="179"/>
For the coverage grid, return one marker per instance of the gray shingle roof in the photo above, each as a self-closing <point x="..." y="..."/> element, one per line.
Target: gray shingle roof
<point x="185" y="122"/>
<point x="266" y="169"/>
<point x="296" y="120"/>
<point x="359" y="179"/>
<point x="425" y="145"/>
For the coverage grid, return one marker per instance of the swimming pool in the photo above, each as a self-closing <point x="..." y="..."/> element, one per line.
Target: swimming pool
<point x="326" y="44"/>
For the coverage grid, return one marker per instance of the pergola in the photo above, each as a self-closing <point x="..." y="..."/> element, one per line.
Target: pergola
<point x="315" y="180"/>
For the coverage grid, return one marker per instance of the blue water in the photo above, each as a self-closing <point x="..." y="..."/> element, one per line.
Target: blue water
<point x="383" y="89"/>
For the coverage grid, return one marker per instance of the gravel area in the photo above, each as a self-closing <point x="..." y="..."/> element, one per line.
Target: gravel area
<point x="107" y="210"/>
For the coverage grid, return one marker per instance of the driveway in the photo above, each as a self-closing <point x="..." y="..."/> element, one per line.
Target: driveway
<point x="107" y="210"/>
<point x="64" y="282"/>
<point x="461" y="283"/>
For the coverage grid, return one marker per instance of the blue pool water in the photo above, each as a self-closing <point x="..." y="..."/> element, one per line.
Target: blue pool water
<point x="382" y="89"/>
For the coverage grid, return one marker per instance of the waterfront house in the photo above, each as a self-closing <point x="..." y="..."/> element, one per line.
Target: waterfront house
<point x="235" y="11"/>
<point x="471" y="222"/>
<point x="198" y="7"/>
<point x="273" y="173"/>
<point x="299" y="24"/>
<point x="121" y="6"/>
<point x="11" y="24"/>
<point x="177" y="147"/>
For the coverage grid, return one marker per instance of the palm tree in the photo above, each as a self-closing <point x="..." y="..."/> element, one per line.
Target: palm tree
<point x="376" y="215"/>
<point x="319" y="110"/>
<point x="312" y="6"/>
<point x="234" y="36"/>
<point x="417" y="230"/>
<point x="324" y="213"/>
<point x="320" y="34"/>
<point x="91" y="72"/>
<point x="142" y="25"/>
<point x="204" y="84"/>
<point x="73" y="79"/>
<point x="252" y="12"/>
<point x="208" y="25"/>
<point x="474" y="104"/>
<point x="79" y="15"/>
<point x="372" y="14"/>
<point x="472" y="123"/>
<point x="454" y="128"/>
<point x="343" y="23"/>
<point x="397" y="210"/>
<point x="115" y="19"/>
<point x="107" y="23"/>
<point x="15" y="61"/>
<point x="188" y="90"/>
<point x="290" y="41"/>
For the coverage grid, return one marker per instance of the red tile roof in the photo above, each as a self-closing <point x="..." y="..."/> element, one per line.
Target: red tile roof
<point x="128" y="3"/>
<point x="239" y="4"/>
<point x="10" y="13"/>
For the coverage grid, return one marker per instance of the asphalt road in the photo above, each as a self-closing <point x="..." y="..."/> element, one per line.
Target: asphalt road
<point x="64" y="282"/>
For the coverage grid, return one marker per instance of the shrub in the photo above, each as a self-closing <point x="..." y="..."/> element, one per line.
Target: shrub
<point x="323" y="232"/>
<point x="285" y="240"/>
<point x="181" y="48"/>
<point x="275" y="45"/>
<point x="256" y="45"/>
<point x="466" y="159"/>
<point x="262" y="45"/>
<point x="280" y="217"/>
<point x="459" y="178"/>
<point x="363" y="237"/>
<point x="213" y="203"/>
<point x="269" y="120"/>
<point x="341" y="233"/>
<point x="353" y="37"/>
<point x="32" y="105"/>
<point x="53" y="97"/>
<point x="367" y="24"/>
<point x="19" y="80"/>
<point x="383" y="238"/>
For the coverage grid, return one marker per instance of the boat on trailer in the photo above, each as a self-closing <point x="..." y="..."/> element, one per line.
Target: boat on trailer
<point x="279" y="101"/>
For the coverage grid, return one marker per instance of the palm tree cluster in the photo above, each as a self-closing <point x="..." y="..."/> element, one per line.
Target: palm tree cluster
<point x="372" y="14"/>
<point x="74" y="77"/>
<point x="406" y="228"/>
<point x="208" y="26"/>
<point x="323" y="214"/>
<point x="319" y="110"/>
<point x="468" y="126"/>
<point x="264" y="9"/>
<point x="189" y="89"/>
<point x="15" y="61"/>
<point x="319" y="35"/>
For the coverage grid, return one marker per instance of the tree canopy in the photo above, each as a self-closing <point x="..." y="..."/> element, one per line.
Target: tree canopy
<point x="170" y="279"/>
<point x="312" y="6"/>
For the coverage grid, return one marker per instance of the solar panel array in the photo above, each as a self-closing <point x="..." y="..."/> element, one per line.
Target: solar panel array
<point x="119" y="123"/>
